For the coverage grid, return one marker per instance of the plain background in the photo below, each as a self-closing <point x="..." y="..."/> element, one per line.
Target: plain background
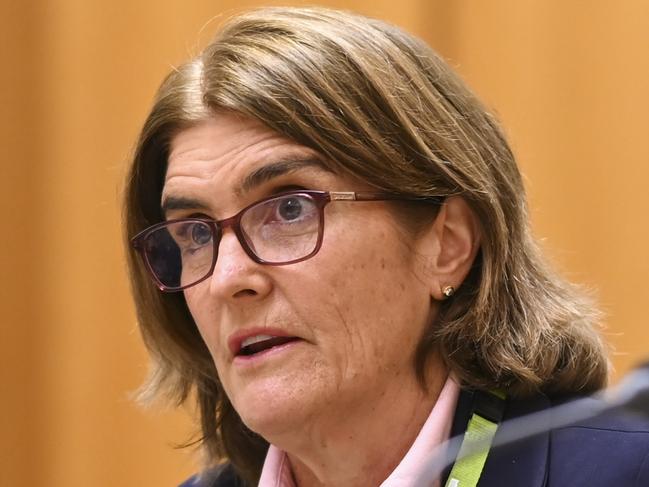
<point x="568" y="79"/>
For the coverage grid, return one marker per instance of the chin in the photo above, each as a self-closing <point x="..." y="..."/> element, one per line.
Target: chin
<point x="276" y="422"/>
<point x="273" y="411"/>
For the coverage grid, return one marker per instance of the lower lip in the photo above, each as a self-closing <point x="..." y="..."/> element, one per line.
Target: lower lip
<point x="264" y="355"/>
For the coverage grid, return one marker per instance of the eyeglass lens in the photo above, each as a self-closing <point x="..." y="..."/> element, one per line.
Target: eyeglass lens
<point x="276" y="231"/>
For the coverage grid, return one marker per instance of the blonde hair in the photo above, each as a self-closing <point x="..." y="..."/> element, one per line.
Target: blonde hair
<point x="380" y="105"/>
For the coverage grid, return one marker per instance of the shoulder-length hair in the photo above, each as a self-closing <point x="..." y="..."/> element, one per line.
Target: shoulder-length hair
<point x="380" y="105"/>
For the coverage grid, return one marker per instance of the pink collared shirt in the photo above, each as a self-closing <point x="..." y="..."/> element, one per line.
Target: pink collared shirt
<point x="436" y="430"/>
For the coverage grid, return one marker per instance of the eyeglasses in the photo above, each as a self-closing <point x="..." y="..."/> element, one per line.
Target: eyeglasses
<point x="280" y="230"/>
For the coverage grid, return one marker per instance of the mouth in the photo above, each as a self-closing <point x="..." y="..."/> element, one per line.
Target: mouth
<point x="260" y="343"/>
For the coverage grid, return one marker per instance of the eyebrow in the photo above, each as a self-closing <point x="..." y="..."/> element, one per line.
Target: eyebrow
<point x="181" y="203"/>
<point x="253" y="180"/>
<point x="276" y="169"/>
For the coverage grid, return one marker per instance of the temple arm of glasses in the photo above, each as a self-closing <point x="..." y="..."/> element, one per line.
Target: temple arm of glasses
<point x="380" y="196"/>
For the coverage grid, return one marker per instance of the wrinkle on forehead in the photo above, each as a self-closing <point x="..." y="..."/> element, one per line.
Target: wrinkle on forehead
<point x="231" y="154"/>
<point x="215" y="143"/>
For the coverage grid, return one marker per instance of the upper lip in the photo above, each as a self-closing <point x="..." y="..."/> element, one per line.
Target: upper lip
<point x="236" y="339"/>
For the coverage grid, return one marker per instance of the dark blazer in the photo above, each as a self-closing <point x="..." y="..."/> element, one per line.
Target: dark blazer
<point x="610" y="450"/>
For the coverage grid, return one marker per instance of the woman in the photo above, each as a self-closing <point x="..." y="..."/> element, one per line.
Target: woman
<point x="332" y="256"/>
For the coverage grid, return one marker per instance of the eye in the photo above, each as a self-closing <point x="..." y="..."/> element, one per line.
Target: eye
<point x="201" y="233"/>
<point x="291" y="208"/>
<point x="288" y="213"/>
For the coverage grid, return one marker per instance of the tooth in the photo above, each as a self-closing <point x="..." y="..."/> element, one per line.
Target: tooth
<point x="254" y="339"/>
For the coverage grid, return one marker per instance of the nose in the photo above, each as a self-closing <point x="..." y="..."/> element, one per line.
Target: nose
<point x="236" y="276"/>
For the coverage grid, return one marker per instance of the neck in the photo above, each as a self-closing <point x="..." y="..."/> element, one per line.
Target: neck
<point x="362" y="445"/>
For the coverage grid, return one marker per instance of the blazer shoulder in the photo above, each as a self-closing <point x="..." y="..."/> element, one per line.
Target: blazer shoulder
<point x="609" y="449"/>
<point x="613" y="420"/>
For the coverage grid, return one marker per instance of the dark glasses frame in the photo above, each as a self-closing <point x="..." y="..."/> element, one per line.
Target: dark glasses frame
<point x="217" y="227"/>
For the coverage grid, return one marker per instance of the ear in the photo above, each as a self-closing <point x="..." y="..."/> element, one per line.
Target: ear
<point x="451" y="246"/>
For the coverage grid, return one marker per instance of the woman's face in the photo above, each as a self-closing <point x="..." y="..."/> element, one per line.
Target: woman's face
<point x="354" y="312"/>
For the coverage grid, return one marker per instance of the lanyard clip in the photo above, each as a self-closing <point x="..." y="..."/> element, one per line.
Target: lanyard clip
<point x="490" y="405"/>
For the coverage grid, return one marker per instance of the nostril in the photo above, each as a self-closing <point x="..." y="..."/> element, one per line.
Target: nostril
<point x="245" y="293"/>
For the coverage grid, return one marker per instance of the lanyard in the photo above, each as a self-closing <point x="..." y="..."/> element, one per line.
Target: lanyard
<point x="488" y="410"/>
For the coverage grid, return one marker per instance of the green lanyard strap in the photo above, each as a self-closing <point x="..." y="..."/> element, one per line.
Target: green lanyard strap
<point x="488" y="410"/>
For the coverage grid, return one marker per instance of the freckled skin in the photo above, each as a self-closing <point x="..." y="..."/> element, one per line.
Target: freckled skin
<point x="359" y="305"/>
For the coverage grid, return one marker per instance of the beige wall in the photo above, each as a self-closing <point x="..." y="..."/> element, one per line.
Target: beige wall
<point x="569" y="80"/>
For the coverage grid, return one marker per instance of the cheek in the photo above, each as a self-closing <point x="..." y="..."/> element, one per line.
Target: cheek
<point x="377" y="308"/>
<point x="203" y="316"/>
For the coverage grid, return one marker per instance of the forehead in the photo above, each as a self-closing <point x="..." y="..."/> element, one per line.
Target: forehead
<point x="232" y="153"/>
<point x="225" y="139"/>
<point x="222" y="134"/>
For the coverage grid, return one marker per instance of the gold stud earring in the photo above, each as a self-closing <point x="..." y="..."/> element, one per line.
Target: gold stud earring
<point x="448" y="291"/>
